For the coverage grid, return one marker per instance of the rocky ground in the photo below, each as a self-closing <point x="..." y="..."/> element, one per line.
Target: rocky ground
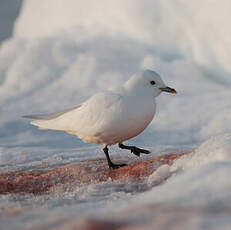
<point x="145" y="216"/>
<point x="87" y="171"/>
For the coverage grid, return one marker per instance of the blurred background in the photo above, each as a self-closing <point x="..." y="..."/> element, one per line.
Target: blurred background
<point x="54" y="54"/>
<point x="9" y="12"/>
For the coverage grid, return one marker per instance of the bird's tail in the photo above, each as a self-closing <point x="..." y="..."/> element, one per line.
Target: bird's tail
<point x="41" y="124"/>
<point x="48" y="121"/>
<point x="43" y="121"/>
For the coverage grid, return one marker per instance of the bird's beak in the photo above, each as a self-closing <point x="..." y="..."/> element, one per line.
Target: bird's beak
<point x="168" y="89"/>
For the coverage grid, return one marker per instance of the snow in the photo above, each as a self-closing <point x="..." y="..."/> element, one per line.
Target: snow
<point x="216" y="149"/>
<point x="199" y="178"/>
<point x="74" y="52"/>
<point x="159" y="175"/>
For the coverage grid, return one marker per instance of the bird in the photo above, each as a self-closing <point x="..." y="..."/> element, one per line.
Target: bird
<point x="111" y="117"/>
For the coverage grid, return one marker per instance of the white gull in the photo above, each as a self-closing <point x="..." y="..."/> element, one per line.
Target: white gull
<point x="111" y="117"/>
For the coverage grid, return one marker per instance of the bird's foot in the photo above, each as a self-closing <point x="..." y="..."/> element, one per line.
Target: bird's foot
<point x="134" y="149"/>
<point x="116" y="166"/>
<point x="138" y="151"/>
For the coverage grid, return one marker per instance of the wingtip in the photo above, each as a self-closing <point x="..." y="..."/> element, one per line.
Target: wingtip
<point x="27" y="116"/>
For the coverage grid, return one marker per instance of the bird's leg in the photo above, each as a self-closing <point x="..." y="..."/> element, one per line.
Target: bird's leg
<point x="134" y="149"/>
<point x="110" y="164"/>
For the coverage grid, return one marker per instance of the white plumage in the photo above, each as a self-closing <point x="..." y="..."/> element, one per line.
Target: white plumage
<point x="111" y="117"/>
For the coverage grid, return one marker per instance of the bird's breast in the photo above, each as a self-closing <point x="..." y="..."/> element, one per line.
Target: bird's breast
<point x="135" y="118"/>
<point x="120" y="122"/>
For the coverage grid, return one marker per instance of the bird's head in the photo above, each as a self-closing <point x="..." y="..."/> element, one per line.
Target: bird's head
<point x="148" y="81"/>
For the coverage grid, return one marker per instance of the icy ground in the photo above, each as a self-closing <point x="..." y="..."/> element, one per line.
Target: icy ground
<point x="68" y="56"/>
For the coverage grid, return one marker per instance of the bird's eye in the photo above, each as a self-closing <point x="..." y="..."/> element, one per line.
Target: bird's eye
<point x="152" y="82"/>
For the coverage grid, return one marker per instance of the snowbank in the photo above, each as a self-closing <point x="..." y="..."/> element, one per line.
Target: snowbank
<point x="60" y="54"/>
<point x="199" y="178"/>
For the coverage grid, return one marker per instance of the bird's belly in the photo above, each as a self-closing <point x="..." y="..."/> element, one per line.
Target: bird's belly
<point x="134" y="128"/>
<point x="119" y="131"/>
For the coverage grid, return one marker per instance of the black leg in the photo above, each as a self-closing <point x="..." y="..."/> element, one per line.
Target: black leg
<point x="134" y="149"/>
<point x="110" y="164"/>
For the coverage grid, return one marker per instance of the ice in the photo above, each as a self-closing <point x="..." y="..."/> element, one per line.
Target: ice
<point x="159" y="175"/>
<point x="216" y="149"/>
<point x="56" y="61"/>
<point x="198" y="178"/>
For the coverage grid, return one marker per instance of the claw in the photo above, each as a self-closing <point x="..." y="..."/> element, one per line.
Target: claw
<point x="110" y="164"/>
<point x="116" y="166"/>
<point x="138" y="151"/>
<point x="134" y="151"/>
<point x="145" y="151"/>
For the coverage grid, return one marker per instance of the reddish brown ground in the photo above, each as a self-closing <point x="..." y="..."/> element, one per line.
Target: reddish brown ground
<point x="145" y="217"/>
<point x="88" y="171"/>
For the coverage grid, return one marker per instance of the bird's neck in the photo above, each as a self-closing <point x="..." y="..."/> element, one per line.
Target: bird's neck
<point x="138" y="91"/>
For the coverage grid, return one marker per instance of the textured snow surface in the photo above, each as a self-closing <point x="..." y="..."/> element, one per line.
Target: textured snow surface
<point x="61" y="54"/>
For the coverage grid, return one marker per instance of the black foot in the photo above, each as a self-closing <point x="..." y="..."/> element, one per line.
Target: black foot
<point x="110" y="164"/>
<point x="134" y="149"/>
<point x="116" y="166"/>
<point x="138" y="151"/>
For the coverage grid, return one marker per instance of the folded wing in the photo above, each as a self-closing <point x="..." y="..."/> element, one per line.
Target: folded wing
<point x="50" y="115"/>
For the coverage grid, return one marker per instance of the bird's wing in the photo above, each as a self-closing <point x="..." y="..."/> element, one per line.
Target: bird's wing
<point x="50" y="115"/>
<point x="96" y="110"/>
<point x="81" y="120"/>
<point x="101" y="101"/>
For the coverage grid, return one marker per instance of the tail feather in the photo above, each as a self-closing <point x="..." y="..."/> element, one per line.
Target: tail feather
<point x="41" y="124"/>
<point x="49" y="116"/>
<point x="48" y="121"/>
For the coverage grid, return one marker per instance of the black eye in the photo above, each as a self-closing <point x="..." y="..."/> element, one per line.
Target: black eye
<point x="152" y="82"/>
